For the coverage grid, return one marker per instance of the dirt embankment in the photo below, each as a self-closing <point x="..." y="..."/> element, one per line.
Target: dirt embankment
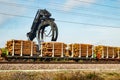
<point x="59" y="66"/>
<point x="60" y="72"/>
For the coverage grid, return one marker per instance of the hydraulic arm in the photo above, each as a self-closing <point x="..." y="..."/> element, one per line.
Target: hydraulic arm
<point x="41" y="22"/>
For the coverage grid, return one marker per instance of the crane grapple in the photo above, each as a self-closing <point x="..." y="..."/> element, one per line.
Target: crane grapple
<point x="38" y="30"/>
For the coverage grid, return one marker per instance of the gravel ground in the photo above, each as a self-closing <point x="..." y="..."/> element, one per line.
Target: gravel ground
<point x="59" y="66"/>
<point x="59" y="71"/>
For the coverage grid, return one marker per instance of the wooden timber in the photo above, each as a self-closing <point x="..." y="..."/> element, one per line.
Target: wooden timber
<point x="21" y="47"/>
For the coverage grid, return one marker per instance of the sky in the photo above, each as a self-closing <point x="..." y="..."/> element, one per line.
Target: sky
<point x="94" y="22"/>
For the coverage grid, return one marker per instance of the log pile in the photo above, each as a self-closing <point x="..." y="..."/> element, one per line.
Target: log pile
<point x="53" y="49"/>
<point x="80" y="50"/>
<point x="106" y="51"/>
<point x="98" y="51"/>
<point x="0" y="52"/>
<point x="21" y="47"/>
<point x="117" y="52"/>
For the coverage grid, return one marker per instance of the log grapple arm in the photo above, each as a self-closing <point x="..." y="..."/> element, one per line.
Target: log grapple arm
<point x="40" y="16"/>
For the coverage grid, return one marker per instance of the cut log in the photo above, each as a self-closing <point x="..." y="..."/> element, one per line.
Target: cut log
<point x="106" y="51"/>
<point x="55" y="49"/>
<point x="18" y="47"/>
<point x="80" y="50"/>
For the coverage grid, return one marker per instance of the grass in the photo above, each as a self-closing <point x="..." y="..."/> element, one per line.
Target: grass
<point x="60" y="75"/>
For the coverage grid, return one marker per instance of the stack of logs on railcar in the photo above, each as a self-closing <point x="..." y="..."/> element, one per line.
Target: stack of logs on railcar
<point x="21" y="47"/>
<point x="53" y="49"/>
<point x="59" y="49"/>
<point x="81" y="50"/>
<point x="107" y="51"/>
<point x="0" y="52"/>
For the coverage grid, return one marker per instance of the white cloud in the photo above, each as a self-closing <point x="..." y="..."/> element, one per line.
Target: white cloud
<point x="9" y="9"/>
<point x="74" y="3"/>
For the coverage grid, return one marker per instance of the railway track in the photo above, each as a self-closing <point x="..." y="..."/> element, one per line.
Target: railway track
<point x="56" y="60"/>
<point x="59" y="65"/>
<point x="61" y="62"/>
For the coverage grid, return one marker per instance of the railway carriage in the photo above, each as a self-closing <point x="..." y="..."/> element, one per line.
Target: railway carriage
<point x="22" y="50"/>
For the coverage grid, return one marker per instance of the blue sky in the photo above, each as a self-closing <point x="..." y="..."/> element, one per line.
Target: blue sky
<point x="99" y="12"/>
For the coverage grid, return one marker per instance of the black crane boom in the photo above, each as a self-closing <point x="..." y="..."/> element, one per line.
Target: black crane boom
<point x="41" y="21"/>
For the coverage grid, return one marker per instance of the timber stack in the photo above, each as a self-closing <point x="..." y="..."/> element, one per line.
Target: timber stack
<point x="106" y="51"/>
<point x="80" y="50"/>
<point x="53" y="49"/>
<point x="21" y="47"/>
<point x="0" y="52"/>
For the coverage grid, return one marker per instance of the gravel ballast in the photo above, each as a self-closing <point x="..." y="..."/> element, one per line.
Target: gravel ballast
<point x="59" y="66"/>
<point x="59" y="71"/>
